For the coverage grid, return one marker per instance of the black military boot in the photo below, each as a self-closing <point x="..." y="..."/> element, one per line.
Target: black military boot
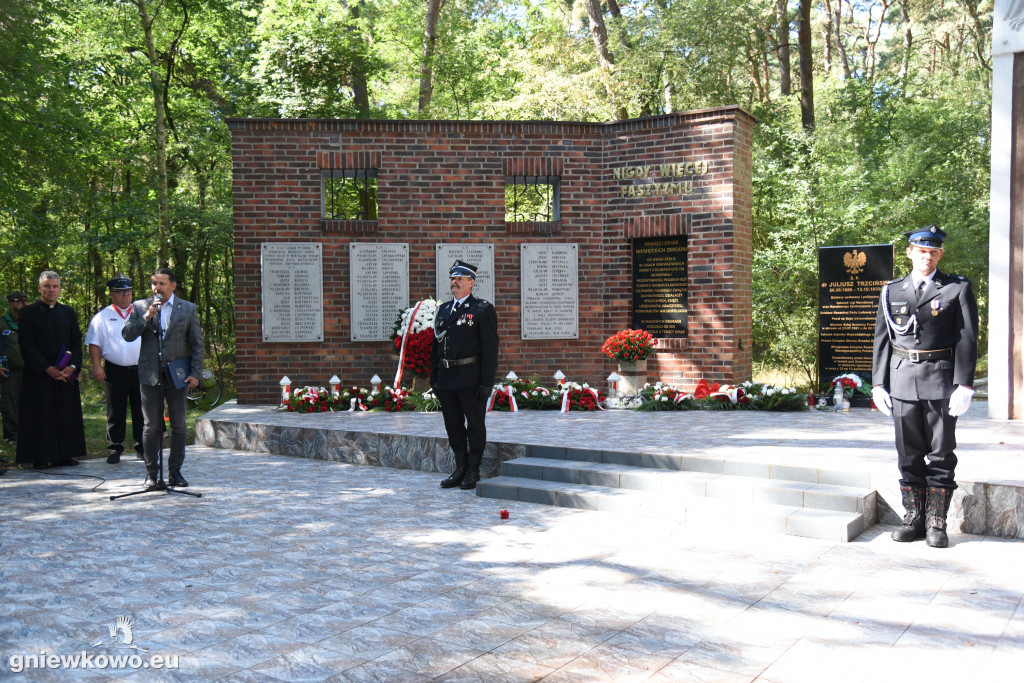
<point x="913" y="520"/>
<point x="460" y="471"/>
<point x="175" y="478"/>
<point x="935" y="516"/>
<point x="152" y="479"/>
<point x="472" y="472"/>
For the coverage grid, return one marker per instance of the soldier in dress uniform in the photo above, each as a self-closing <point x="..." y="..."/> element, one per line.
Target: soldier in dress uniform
<point x="925" y="352"/>
<point x="462" y="370"/>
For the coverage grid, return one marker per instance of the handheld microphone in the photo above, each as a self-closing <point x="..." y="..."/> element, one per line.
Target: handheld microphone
<point x="157" y="299"/>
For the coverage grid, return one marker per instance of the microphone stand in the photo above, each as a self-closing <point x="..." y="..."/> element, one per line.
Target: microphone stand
<point x="160" y="484"/>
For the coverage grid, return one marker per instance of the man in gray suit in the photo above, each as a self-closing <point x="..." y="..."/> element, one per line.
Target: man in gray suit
<point x="925" y="352"/>
<point x="170" y="332"/>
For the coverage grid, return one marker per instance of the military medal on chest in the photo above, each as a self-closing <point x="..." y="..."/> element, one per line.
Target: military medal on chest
<point x="935" y="306"/>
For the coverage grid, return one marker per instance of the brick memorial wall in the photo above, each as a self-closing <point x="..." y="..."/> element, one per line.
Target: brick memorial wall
<point x="441" y="184"/>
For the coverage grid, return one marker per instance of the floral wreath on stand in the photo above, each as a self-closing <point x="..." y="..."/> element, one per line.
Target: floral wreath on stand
<point x="413" y="339"/>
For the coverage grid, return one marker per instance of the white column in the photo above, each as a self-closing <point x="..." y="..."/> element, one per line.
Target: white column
<point x="999" y="238"/>
<point x="1007" y="38"/>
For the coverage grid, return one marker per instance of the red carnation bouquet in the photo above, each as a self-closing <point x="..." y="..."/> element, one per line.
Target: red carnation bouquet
<point x="629" y="345"/>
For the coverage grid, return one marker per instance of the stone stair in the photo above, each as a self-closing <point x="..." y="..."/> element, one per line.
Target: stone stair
<point x="797" y="501"/>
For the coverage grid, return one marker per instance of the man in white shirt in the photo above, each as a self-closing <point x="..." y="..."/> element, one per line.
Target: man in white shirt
<point x="119" y="369"/>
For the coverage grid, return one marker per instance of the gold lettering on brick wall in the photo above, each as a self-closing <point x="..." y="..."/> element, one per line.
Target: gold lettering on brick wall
<point x="669" y="172"/>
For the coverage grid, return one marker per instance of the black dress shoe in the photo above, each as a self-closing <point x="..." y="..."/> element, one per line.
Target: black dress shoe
<point x="909" y="532"/>
<point x="454" y="480"/>
<point x="470" y="481"/>
<point x="151" y="483"/>
<point x="936" y="538"/>
<point x="114" y="458"/>
<point x="175" y="479"/>
<point x="41" y="466"/>
<point x="66" y="463"/>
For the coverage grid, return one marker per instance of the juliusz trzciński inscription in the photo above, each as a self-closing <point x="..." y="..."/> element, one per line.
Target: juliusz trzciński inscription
<point x="850" y="281"/>
<point x="549" y="291"/>
<point x="379" y="273"/>
<point x="659" y="286"/>
<point x="292" y="286"/>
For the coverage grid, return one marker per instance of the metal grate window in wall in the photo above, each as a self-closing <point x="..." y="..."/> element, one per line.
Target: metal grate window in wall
<point x="350" y="194"/>
<point x="531" y="198"/>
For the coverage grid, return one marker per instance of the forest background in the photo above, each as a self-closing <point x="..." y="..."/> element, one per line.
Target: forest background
<point x="115" y="156"/>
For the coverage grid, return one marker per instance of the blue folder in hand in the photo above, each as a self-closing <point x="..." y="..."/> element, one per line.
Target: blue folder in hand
<point x="179" y="370"/>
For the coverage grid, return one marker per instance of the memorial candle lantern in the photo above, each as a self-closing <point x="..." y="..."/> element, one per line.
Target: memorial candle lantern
<point x="286" y="385"/>
<point x="559" y="377"/>
<point x="375" y="383"/>
<point x="613" y="383"/>
<point x="335" y="383"/>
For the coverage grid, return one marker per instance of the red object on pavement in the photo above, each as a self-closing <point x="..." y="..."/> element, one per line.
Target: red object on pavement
<point x="504" y="514"/>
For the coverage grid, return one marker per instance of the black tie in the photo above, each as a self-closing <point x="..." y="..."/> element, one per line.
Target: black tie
<point x="455" y="307"/>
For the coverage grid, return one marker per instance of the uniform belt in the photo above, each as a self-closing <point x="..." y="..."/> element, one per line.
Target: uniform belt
<point x="916" y="356"/>
<point x="460" y="361"/>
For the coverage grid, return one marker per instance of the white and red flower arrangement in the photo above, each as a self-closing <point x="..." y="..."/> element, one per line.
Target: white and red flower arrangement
<point x="576" y="396"/>
<point x="311" y="400"/>
<point x="713" y="396"/>
<point x="513" y="394"/>
<point x="850" y="383"/>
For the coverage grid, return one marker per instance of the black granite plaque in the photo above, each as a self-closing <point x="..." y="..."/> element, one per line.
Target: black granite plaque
<point x="659" y="286"/>
<point x="850" y="280"/>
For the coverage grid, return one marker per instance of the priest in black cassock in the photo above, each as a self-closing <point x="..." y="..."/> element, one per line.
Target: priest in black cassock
<point x="51" y="432"/>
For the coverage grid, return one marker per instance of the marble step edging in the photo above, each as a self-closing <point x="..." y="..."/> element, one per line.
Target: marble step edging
<point x="710" y="512"/>
<point x="698" y="484"/>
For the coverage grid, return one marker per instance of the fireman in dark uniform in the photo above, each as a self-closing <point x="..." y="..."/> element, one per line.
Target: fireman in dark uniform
<point x="925" y="352"/>
<point x="462" y="370"/>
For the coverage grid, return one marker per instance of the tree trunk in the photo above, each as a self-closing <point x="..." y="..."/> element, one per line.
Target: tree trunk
<point x="908" y="42"/>
<point x="806" y="67"/>
<point x="827" y="31"/>
<point x="785" y="68"/>
<point x="360" y="89"/>
<point x="600" y="34"/>
<point x="426" y="66"/>
<point x="155" y="82"/>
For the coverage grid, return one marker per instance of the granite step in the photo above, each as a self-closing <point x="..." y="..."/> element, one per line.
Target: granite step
<point x="712" y="499"/>
<point x="705" y="463"/>
<point x="696" y="484"/>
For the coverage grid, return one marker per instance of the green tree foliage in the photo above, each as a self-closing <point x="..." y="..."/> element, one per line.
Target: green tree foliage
<point x="117" y="156"/>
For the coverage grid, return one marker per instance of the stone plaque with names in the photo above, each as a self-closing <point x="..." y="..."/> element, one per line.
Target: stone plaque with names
<point x="293" y="293"/>
<point x="479" y="255"/>
<point x="379" y="273"/>
<point x="549" y="291"/>
<point x="660" y="285"/>
<point x="850" y="280"/>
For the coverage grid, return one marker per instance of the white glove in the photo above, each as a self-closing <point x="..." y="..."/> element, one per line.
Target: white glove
<point x="960" y="401"/>
<point x="882" y="401"/>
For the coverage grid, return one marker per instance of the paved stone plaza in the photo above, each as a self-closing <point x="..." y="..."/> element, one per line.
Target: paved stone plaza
<point x="305" y="570"/>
